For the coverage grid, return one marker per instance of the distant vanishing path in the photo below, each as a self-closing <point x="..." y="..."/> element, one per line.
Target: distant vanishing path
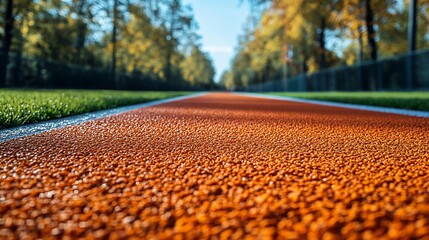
<point x="221" y="165"/>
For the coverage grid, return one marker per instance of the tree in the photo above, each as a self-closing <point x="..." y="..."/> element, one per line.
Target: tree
<point x="140" y="45"/>
<point x="227" y="80"/>
<point x="178" y="22"/>
<point x="198" y="69"/>
<point x="22" y="10"/>
<point x="143" y="38"/>
<point x="7" y="41"/>
<point x="114" y="38"/>
<point x="412" y="26"/>
<point x="84" y="16"/>
<point x="369" y="21"/>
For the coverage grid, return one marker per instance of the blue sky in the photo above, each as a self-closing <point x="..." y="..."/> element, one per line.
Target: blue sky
<point x="220" y="23"/>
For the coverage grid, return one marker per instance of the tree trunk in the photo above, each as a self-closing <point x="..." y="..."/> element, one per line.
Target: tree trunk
<point x="16" y="74"/>
<point x="80" y="41"/>
<point x="412" y="33"/>
<point x="322" y="43"/>
<point x="55" y="53"/>
<point x="360" y="40"/>
<point x="305" y="54"/>
<point x="304" y="67"/>
<point x="369" y="19"/>
<point x="174" y="19"/>
<point x="267" y="71"/>
<point x="364" y="83"/>
<point x="167" y="72"/>
<point x="114" y="40"/>
<point x="7" y="42"/>
<point x="412" y="26"/>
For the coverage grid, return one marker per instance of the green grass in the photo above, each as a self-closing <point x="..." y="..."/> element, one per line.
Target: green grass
<point x="18" y="107"/>
<point x="403" y="100"/>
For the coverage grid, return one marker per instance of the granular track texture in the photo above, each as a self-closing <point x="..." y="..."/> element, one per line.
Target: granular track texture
<point x="221" y="166"/>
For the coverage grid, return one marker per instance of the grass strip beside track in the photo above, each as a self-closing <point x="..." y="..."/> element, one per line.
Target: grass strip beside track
<point x="18" y="107"/>
<point x="402" y="100"/>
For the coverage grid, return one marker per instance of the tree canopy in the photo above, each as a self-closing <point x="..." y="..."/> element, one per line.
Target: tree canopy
<point x="154" y="38"/>
<point x="298" y="36"/>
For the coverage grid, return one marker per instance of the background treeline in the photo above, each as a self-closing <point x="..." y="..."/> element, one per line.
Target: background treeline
<point x="291" y="37"/>
<point x="125" y="44"/>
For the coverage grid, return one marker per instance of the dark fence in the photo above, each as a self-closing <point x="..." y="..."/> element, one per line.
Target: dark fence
<point x="406" y="72"/>
<point x="36" y="73"/>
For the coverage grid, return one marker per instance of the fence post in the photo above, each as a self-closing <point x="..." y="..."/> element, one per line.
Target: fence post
<point x="379" y="76"/>
<point x="410" y="71"/>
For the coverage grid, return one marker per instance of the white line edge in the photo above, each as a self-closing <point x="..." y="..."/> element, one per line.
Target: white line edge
<point x="398" y="111"/>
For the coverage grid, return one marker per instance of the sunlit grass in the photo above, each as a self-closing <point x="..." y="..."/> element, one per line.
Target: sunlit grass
<point x="403" y="100"/>
<point x="18" y="107"/>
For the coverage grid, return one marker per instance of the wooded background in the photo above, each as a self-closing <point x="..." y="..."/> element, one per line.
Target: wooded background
<point x="285" y="38"/>
<point x="125" y="44"/>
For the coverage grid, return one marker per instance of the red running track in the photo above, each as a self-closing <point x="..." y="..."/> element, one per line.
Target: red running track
<point x="221" y="166"/>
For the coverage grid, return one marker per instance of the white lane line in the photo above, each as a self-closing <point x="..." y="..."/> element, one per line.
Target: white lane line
<point x="406" y="112"/>
<point x="30" y="129"/>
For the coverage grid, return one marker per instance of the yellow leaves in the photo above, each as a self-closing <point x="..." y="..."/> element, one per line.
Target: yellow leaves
<point x="197" y="68"/>
<point x="227" y="80"/>
<point x="312" y="65"/>
<point x="140" y="46"/>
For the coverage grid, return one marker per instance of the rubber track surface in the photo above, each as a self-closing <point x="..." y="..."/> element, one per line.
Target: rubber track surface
<point x="222" y="166"/>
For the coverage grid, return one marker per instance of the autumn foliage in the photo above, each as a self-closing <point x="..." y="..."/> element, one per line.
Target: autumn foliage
<point x="146" y="38"/>
<point x="291" y="37"/>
